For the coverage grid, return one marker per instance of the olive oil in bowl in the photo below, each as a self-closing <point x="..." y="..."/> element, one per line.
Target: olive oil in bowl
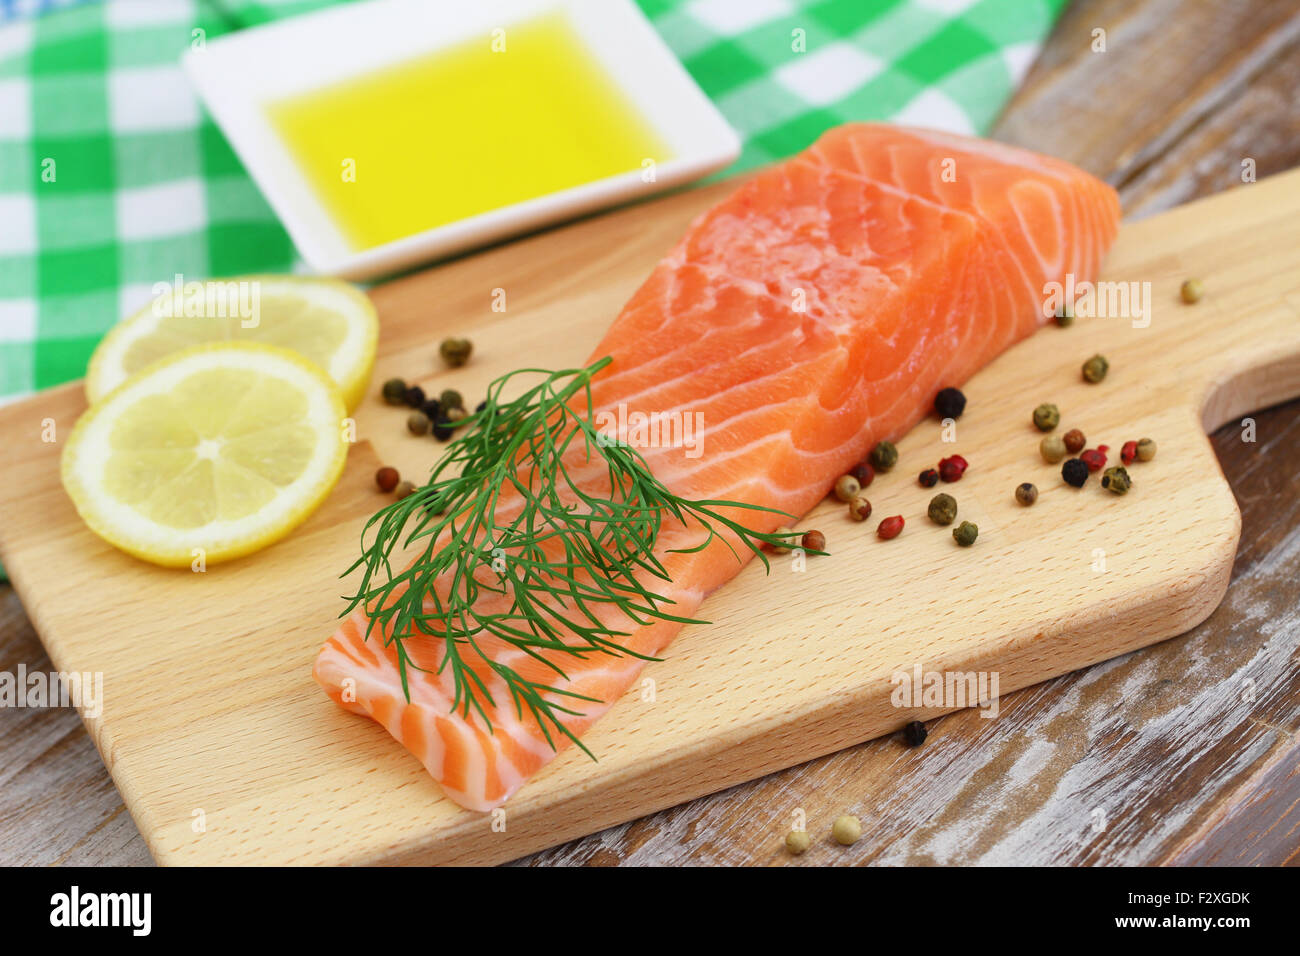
<point x="494" y="120"/>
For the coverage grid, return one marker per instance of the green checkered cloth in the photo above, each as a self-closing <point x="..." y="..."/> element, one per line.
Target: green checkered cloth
<point x="112" y="177"/>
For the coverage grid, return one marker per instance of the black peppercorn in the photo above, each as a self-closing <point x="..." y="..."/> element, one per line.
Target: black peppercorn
<point x="915" y="733"/>
<point x="415" y="396"/>
<point x="950" y="403"/>
<point x="1075" y="472"/>
<point x="928" y="478"/>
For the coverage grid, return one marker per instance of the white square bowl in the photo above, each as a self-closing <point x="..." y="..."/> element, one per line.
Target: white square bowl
<point x="239" y="75"/>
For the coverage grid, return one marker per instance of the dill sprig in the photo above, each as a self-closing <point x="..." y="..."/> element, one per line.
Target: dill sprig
<point x="534" y="567"/>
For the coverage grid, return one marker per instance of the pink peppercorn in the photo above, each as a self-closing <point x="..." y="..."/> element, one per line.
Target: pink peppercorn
<point x="952" y="468"/>
<point x="864" y="473"/>
<point x="1094" y="458"/>
<point x="1129" y="452"/>
<point x="890" y="528"/>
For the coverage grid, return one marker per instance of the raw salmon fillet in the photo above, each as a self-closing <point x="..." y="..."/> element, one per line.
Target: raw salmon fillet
<point x="813" y="313"/>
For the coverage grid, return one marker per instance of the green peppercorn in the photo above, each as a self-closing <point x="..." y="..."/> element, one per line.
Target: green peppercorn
<point x="965" y="534"/>
<point x="417" y="423"/>
<point x="943" y="509"/>
<point x="450" y="398"/>
<point x="884" y="456"/>
<point x="797" y="842"/>
<point x="1146" y="449"/>
<point x="395" y="391"/>
<point x="847" y="830"/>
<point x="1192" y="290"/>
<point x="1116" y="479"/>
<point x="1065" y="315"/>
<point x="1046" y="417"/>
<point x="1026" y="493"/>
<point x="846" y="487"/>
<point x="1052" y="448"/>
<point x="455" y="352"/>
<point x="1095" y="369"/>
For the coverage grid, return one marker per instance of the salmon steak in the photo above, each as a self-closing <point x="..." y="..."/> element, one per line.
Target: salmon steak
<point x="813" y="313"/>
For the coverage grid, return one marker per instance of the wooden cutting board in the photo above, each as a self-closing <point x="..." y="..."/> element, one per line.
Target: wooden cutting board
<point x="227" y="752"/>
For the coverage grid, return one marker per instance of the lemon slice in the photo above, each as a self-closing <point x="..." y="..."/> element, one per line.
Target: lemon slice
<point x="213" y="452"/>
<point x="324" y="320"/>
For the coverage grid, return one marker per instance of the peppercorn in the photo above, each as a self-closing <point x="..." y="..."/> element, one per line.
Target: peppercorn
<point x="442" y="427"/>
<point x="1128" y="452"/>
<point x="455" y="416"/>
<point x="417" y="423"/>
<point x="432" y="410"/>
<point x="1191" y="291"/>
<point x="1115" y="479"/>
<point x="860" y="508"/>
<point x="1065" y="315"/>
<point x="480" y="406"/>
<point x="797" y="842"/>
<point x="1074" y="472"/>
<point x="884" y="456"/>
<point x="965" y="533"/>
<point x="1046" y="417"/>
<point x="864" y="473"/>
<point x="943" y="509"/>
<point x="949" y="403"/>
<point x="386" y="478"/>
<point x="405" y="489"/>
<point x="813" y="541"/>
<point x="952" y="468"/>
<point x="1074" y="441"/>
<point x="1146" y="449"/>
<point x="928" y="478"/>
<point x="846" y="486"/>
<point x="455" y="352"/>
<point x="847" y="830"/>
<point x="1094" y="458"/>
<point x="450" y="398"/>
<point x="783" y="547"/>
<point x="1026" y="493"/>
<point x="1104" y="449"/>
<point x="890" y="528"/>
<point x="1052" y="448"/>
<point x="914" y="734"/>
<point x="415" y="396"/>
<point x="395" y="391"/>
<point x="1095" y="369"/>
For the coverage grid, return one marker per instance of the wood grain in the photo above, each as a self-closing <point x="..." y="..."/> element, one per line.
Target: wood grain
<point x="1218" y="807"/>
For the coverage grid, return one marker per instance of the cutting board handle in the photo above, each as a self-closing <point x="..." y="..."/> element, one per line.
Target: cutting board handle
<point x="1236" y="350"/>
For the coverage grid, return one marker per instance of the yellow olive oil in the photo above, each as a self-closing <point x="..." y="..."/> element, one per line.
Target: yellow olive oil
<point x="492" y="121"/>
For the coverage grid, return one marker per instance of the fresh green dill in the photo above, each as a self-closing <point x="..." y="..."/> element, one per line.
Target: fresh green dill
<point x="505" y="513"/>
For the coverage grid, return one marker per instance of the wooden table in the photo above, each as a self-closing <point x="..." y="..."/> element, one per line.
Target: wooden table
<point x="1200" y="762"/>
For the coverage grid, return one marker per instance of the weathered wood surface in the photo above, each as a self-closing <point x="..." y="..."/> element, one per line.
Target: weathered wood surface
<point x="1165" y="743"/>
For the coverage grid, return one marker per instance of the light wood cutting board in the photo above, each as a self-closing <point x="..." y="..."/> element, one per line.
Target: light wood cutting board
<point x="227" y="752"/>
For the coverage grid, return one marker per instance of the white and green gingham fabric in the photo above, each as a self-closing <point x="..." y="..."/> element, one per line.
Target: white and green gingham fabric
<point x="112" y="177"/>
